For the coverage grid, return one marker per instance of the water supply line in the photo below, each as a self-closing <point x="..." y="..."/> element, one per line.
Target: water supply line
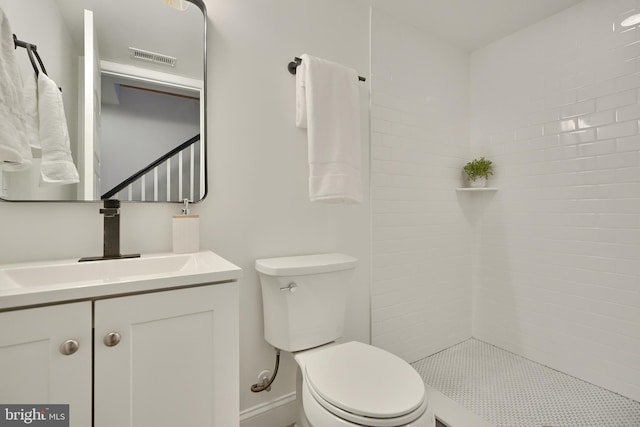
<point x="266" y="383"/>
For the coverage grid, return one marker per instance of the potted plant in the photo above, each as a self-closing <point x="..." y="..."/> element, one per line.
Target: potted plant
<point x="478" y="171"/>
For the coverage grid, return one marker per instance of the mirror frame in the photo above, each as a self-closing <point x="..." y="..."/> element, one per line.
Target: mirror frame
<point x="203" y="8"/>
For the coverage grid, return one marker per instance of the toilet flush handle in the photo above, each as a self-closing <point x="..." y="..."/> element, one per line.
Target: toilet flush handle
<point x="291" y="287"/>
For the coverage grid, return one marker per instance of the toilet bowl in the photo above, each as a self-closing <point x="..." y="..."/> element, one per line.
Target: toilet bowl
<point x="355" y="384"/>
<point x="338" y="385"/>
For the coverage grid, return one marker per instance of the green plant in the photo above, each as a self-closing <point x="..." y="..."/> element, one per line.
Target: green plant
<point x="478" y="168"/>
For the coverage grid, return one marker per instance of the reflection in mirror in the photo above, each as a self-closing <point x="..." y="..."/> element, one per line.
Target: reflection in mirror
<point x="131" y="79"/>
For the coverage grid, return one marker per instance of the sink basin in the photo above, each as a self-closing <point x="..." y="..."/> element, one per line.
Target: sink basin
<point x="97" y="271"/>
<point x="43" y="282"/>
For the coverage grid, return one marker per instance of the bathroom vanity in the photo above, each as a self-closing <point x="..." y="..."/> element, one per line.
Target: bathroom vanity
<point x="140" y="342"/>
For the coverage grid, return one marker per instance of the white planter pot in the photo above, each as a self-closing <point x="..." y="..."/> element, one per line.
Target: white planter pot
<point x="478" y="183"/>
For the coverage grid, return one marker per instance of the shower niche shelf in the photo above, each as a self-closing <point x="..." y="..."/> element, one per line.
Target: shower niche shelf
<point x="476" y="189"/>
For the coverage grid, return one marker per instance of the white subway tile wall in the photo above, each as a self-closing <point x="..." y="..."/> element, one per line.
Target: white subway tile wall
<point x="422" y="242"/>
<point x="555" y="106"/>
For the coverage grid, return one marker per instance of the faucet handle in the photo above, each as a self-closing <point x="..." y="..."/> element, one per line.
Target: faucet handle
<point x="111" y="207"/>
<point x="111" y="203"/>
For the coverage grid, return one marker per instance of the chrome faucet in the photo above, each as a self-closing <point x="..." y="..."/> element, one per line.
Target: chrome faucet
<point x="111" y="235"/>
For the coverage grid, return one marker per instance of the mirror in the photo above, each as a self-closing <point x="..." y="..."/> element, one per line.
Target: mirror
<point x="131" y="77"/>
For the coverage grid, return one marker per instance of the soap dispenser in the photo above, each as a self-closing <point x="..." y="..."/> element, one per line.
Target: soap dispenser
<point x="186" y="231"/>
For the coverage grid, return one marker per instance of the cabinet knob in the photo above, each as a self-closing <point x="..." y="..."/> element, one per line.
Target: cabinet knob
<point x="111" y="339"/>
<point x="69" y="347"/>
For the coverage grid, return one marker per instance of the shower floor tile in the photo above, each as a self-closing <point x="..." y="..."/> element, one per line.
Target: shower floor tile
<point x="510" y="391"/>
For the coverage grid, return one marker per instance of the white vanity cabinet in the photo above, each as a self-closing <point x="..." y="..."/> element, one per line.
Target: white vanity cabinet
<point x="176" y="363"/>
<point x="33" y="369"/>
<point x="166" y="358"/>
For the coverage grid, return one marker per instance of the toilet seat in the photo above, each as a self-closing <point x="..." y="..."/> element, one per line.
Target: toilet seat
<point x="364" y="385"/>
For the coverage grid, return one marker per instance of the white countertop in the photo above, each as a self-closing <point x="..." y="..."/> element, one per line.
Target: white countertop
<point x="49" y="282"/>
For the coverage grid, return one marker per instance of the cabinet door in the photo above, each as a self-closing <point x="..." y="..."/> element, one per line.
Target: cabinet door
<point x="176" y="363"/>
<point x="32" y="368"/>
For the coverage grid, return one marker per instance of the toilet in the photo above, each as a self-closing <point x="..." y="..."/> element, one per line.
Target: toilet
<point x="338" y="385"/>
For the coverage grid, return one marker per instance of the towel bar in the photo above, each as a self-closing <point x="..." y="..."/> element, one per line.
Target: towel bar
<point x="32" y="50"/>
<point x="293" y="66"/>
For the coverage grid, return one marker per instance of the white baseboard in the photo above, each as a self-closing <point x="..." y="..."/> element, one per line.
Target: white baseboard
<point x="280" y="412"/>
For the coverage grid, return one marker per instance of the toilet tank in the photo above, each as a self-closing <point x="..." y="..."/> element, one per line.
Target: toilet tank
<point x="304" y="298"/>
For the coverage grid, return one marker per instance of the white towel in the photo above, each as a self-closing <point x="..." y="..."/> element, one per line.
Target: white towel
<point x="301" y="96"/>
<point x="329" y="93"/>
<point x="32" y="121"/>
<point x="15" y="153"/>
<point x="57" y="164"/>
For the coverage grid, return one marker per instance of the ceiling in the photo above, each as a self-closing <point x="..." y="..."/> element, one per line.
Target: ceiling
<point x="471" y="24"/>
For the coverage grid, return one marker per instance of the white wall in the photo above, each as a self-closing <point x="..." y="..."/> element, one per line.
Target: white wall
<point x="257" y="204"/>
<point x="422" y="241"/>
<point x="556" y="107"/>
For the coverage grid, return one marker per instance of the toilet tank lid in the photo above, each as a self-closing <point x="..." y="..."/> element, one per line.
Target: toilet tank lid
<point x="305" y="264"/>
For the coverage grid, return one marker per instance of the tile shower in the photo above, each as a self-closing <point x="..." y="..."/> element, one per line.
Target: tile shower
<point x="548" y="267"/>
<point x="525" y="393"/>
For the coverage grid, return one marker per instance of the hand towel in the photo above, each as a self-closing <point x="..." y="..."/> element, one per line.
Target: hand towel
<point x="301" y="96"/>
<point x="333" y="129"/>
<point x="57" y="164"/>
<point x="32" y="120"/>
<point x="15" y="153"/>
